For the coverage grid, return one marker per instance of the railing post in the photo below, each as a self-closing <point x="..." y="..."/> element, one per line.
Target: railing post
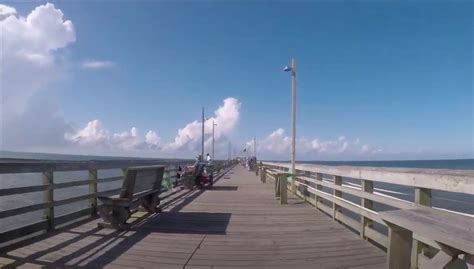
<point x="366" y="186"/>
<point x="283" y="188"/>
<point x="277" y="185"/>
<point x="293" y="183"/>
<point x="422" y="197"/>
<point x="336" y="193"/>
<point x="306" y="195"/>
<point x="263" y="174"/>
<point x="93" y="190"/>
<point x="48" y="197"/>
<point x="176" y="179"/>
<point x="319" y="178"/>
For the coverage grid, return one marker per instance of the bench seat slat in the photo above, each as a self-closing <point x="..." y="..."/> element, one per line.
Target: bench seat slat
<point x="145" y="192"/>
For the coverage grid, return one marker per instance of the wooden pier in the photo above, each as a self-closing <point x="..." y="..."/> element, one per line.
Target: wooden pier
<point x="236" y="224"/>
<point x="257" y="219"/>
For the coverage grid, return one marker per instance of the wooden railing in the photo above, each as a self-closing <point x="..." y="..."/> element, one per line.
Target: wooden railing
<point x="48" y="169"/>
<point x="326" y="188"/>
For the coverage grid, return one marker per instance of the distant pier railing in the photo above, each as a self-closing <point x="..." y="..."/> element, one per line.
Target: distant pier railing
<point x="47" y="170"/>
<point x="347" y="194"/>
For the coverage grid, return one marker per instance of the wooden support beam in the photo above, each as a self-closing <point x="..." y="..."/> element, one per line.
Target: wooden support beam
<point x="304" y="188"/>
<point x="277" y="186"/>
<point x="422" y="197"/>
<point x="319" y="187"/>
<point x="367" y="186"/>
<point x="293" y="182"/>
<point x="48" y="197"/>
<point x="399" y="246"/>
<point x="282" y="178"/>
<point x="93" y="190"/>
<point x="336" y="193"/>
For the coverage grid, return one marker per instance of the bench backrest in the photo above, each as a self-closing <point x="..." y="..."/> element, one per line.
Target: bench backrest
<point x="142" y="179"/>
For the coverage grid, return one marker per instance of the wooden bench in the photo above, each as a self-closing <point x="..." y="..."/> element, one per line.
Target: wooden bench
<point x="452" y="233"/>
<point x="142" y="183"/>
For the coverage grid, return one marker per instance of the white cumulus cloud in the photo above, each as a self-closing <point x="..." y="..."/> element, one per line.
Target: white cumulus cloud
<point x="151" y="138"/>
<point x="95" y="64"/>
<point x="225" y="116"/>
<point x="95" y="137"/>
<point x="31" y="56"/>
<point x="30" y="46"/>
<point x="6" y="11"/>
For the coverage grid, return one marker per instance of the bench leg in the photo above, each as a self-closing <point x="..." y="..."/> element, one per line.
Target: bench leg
<point x="120" y="216"/>
<point x="470" y="261"/>
<point x="114" y="215"/>
<point x="399" y="247"/>
<point x="150" y="202"/>
<point x="105" y="213"/>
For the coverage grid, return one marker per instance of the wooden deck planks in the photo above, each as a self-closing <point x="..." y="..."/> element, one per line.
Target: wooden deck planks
<point x="238" y="224"/>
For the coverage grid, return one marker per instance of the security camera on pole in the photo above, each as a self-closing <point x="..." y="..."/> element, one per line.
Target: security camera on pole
<point x="292" y="69"/>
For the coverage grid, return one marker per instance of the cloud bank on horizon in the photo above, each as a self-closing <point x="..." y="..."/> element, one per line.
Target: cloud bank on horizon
<point x="35" y="45"/>
<point x="278" y="144"/>
<point x="188" y="140"/>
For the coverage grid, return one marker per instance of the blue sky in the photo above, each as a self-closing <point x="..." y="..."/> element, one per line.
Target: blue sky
<point x="396" y="76"/>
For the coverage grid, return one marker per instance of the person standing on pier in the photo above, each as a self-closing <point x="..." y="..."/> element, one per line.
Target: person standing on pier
<point x="208" y="158"/>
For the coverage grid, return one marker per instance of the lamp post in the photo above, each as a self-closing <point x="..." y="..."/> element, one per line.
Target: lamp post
<point x="292" y="69"/>
<point x="213" y="124"/>
<point x="255" y="146"/>
<point x="202" y="135"/>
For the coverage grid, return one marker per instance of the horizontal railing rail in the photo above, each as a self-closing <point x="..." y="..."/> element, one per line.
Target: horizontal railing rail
<point x="16" y="166"/>
<point x="324" y="188"/>
<point x="47" y="169"/>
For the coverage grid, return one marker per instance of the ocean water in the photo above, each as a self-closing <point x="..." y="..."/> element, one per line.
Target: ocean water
<point x="452" y="201"/>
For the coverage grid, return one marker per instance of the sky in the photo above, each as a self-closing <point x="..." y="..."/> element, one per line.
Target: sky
<point x="376" y="80"/>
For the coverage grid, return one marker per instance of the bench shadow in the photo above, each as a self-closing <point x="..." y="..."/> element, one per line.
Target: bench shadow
<point x="189" y="223"/>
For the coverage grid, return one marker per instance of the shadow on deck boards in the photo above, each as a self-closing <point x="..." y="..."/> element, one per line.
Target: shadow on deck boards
<point x="47" y="250"/>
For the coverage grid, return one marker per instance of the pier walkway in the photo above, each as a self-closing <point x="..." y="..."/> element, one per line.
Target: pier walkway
<point x="237" y="224"/>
